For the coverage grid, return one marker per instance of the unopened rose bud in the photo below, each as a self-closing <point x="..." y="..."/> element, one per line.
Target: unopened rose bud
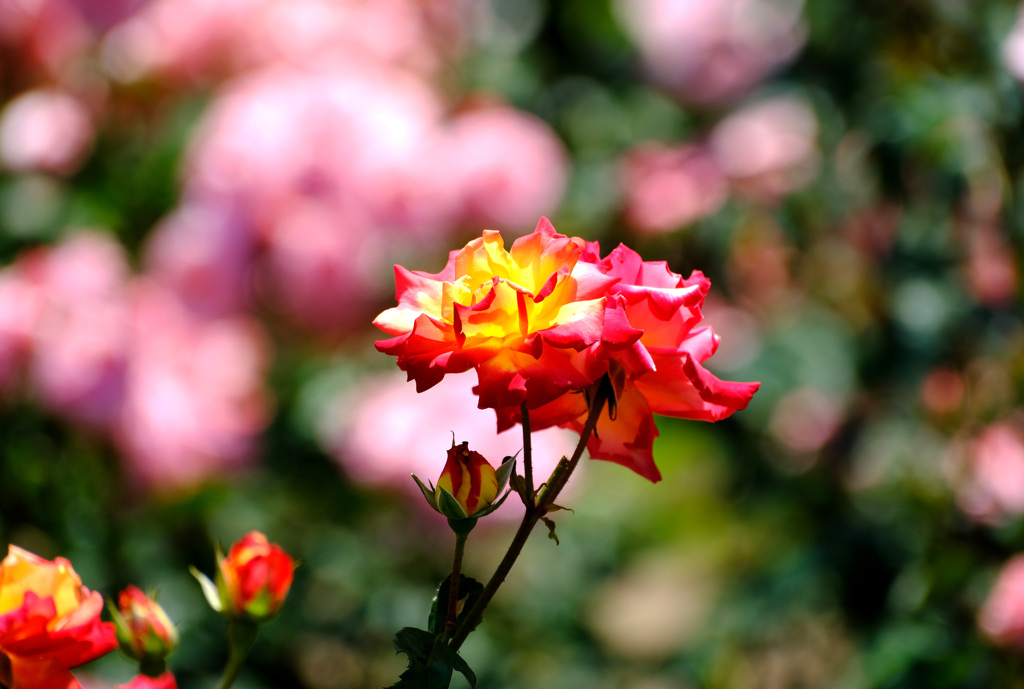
<point x="469" y="478"/>
<point x="469" y="486"/>
<point x="144" y="631"/>
<point x="253" y="580"/>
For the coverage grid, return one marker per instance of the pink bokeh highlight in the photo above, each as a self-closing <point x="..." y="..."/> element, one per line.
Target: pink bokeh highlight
<point x="768" y="148"/>
<point x="45" y="130"/>
<point x="1001" y="618"/>
<point x="669" y="187"/>
<point x="713" y="51"/>
<point x="990" y="486"/>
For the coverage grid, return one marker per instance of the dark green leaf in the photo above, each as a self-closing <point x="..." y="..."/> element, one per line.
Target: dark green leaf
<point x="431" y="662"/>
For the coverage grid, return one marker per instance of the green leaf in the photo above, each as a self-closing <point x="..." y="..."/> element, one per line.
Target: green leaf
<point x="431" y="662"/>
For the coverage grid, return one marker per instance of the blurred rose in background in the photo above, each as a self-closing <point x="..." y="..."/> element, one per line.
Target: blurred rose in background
<point x="714" y="51"/>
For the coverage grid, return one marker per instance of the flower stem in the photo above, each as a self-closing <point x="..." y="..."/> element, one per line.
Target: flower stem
<point x="241" y="636"/>
<point x="528" y="499"/>
<point x="534" y="513"/>
<point x="453" y="590"/>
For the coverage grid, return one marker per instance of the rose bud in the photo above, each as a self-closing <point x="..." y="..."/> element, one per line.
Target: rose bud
<point x="469" y="486"/>
<point x="252" y="581"/>
<point x="144" y="631"/>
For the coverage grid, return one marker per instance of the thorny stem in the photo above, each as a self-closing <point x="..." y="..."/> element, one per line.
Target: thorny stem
<point x="601" y="392"/>
<point x="528" y="498"/>
<point x="453" y="591"/>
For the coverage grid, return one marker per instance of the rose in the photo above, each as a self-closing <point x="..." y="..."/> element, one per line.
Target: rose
<point x="550" y="317"/>
<point x="49" y="622"/>
<point x="253" y="580"/>
<point x="144" y="631"/>
<point x="660" y="373"/>
<point x="523" y="319"/>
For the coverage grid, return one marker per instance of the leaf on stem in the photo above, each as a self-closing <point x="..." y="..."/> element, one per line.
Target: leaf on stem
<point x="431" y="662"/>
<point x="469" y="590"/>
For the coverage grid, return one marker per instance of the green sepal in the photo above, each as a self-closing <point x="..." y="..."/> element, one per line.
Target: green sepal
<point x="469" y="590"/>
<point x="504" y="472"/>
<point x="431" y="662"/>
<point x="428" y="493"/>
<point x="124" y="634"/>
<point x="210" y="590"/>
<point x="449" y="506"/>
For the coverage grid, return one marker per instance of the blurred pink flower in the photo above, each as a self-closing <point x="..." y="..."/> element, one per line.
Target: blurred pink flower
<point x="991" y="488"/>
<point x="220" y="38"/>
<point x="101" y="15"/>
<point x="203" y="252"/>
<point x="81" y="338"/>
<point x="47" y="35"/>
<point x="1001" y="618"/>
<point x="354" y="135"/>
<point x="382" y="430"/>
<point x="44" y="130"/>
<point x="715" y="50"/>
<point x="768" y="149"/>
<point x="669" y="187"/>
<point x="195" y="400"/>
<point x="182" y="395"/>
<point x="320" y="179"/>
<point x="509" y="167"/>
<point x="331" y="174"/>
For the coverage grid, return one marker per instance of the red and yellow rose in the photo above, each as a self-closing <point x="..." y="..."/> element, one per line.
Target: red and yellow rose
<point x="549" y="318"/>
<point x="49" y="622"/>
